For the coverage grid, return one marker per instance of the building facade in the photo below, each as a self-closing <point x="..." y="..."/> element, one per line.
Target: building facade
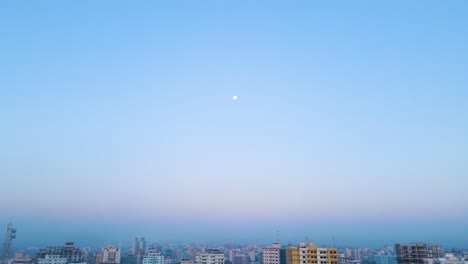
<point x="139" y="244"/>
<point x="305" y="253"/>
<point x="69" y="252"/>
<point x="52" y="259"/>
<point x="111" y="255"/>
<point x="417" y="253"/>
<point x="153" y="256"/>
<point x="357" y="254"/>
<point x="241" y="259"/>
<point x="210" y="256"/>
<point x="385" y="259"/>
<point x="271" y="255"/>
<point x="153" y="259"/>
<point x="308" y="253"/>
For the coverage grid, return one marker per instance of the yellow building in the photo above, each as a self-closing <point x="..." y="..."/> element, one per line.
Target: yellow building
<point x="308" y="253"/>
<point x="292" y="255"/>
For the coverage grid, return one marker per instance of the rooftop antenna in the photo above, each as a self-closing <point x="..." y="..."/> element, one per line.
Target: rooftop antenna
<point x="334" y="240"/>
<point x="277" y="236"/>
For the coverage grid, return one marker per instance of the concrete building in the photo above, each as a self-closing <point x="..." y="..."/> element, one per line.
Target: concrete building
<point x="111" y="255"/>
<point x="385" y="259"/>
<point x="252" y="256"/>
<point x="271" y="255"/>
<point x="390" y="248"/>
<point x="52" y="259"/>
<point x="20" y="254"/>
<point x="69" y="251"/>
<point x="210" y="256"/>
<point x="342" y="259"/>
<point x="241" y="259"/>
<point x="449" y="258"/>
<point x="153" y="257"/>
<point x="327" y="255"/>
<point x="357" y="254"/>
<point x="22" y="258"/>
<point x="292" y="255"/>
<point x="417" y="253"/>
<point x="308" y="253"/>
<point x="445" y="261"/>
<point x="232" y="253"/>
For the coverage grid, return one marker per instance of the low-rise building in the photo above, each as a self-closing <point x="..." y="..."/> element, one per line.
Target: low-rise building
<point x="210" y="256"/>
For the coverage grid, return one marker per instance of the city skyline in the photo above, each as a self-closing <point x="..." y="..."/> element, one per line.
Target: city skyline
<point x="232" y="253"/>
<point x="230" y="120"/>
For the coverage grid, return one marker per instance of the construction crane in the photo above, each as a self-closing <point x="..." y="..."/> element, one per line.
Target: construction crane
<point x="10" y="234"/>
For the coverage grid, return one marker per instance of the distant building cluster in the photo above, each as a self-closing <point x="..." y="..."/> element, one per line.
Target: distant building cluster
<point x="303" y="253"/>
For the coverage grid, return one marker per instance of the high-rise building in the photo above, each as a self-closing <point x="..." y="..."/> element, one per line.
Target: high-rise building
<point x="385" y="259"/>
<point x="111" y="255"/>
<point x="357" y="254"/>
<point x="271" y="255"/>
<point x="210" y="256"/>
<point x="139" y="243"/>
<point x="348" y="253"/>
<point x="417" y="253"/>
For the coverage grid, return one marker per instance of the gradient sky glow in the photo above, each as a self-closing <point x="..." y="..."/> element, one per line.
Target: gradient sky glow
<point x="352" y="119"/>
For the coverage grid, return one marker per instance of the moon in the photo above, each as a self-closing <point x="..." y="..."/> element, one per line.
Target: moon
<point x="234" y="98"/>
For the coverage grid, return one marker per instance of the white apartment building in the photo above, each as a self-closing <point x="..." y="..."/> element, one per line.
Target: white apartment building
<point x="153" y="257"/>
<point x="157" y="259"/>
<point x="271" y="255"/>
<point x="210" y="256"/>
<point x="111" y="255"/>
<point x="52" y="259"/>
<point x="322" y="255"/>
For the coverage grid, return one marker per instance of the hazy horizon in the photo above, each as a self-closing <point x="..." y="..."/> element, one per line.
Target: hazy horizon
<point x="118" y="119"/>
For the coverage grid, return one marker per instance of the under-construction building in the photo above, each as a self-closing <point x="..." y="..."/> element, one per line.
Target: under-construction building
<point x="417" y="253"/>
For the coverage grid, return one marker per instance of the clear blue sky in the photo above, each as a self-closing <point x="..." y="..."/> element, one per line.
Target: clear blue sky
<point x="352" y="119"/>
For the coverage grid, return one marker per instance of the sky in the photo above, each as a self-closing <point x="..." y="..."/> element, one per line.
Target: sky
<point x="118" y="119"/>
